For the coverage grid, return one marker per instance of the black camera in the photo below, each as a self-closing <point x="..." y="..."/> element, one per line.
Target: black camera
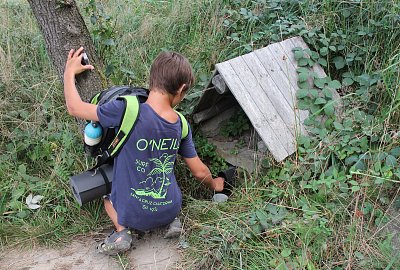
<point x="85" y="59"/>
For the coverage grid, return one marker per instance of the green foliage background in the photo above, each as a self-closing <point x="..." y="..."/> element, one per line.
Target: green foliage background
<point x="326" y="207"/>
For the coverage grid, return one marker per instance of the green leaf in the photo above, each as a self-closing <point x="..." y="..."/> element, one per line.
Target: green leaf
<point x="323" y="62"/>
<point x="314" y="55"/>
<point x="286" y="252"/>
<point x="348" y="81"/>
<point x="351" y="160"/>
<point x="301" y="93"/>
<point x="298" y="54"/>
<point x="305" y="141"/>
<point x="22" y="169"/>
<point x="354" y="183"/>
<point x="338" y="126"/>
<point x="329" y="109"/>
<point x="390" y="161"/>
<point x="303" y="104"/>
<point x="332" y="48"/>
<point x="320" y="82"/>
<point x="314" y="93"/>
<point x="334" y="84"/>
<point x="303" y="77"/>
<point x="302" y="62"/>
<point x="355" y="188"/>
<point x="303" y="70"/>
<point x="395" y="152"/>
<point x="323" y="51"/>
<point x="263" y="219"/>
<point x="319" y="101"/>
<point x="339" y="62"/>
<point x="346" y="13"/>
<point x="327" y="93"/>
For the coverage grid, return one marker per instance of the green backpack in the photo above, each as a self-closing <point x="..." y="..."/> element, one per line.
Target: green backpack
<point x="113" y="139"/>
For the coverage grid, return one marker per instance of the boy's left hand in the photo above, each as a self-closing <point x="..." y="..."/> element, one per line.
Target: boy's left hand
<point x="73" y="65"/>
<point x="218" y="183"/>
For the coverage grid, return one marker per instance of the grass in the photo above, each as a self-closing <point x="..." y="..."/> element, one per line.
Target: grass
<point x="275" y="220"/>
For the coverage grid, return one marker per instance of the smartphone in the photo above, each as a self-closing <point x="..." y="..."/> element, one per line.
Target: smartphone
<point x="85" y="59"/>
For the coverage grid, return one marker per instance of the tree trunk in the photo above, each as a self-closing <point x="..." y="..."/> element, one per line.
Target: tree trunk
<point x="64" y="29"/>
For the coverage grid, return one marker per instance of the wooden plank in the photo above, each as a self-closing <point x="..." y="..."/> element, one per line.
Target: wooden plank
<point x="271" y="91"/>
<point x="266" y="108"/>
<point x="287" y="66"/>
<point x="274" y="70"/>
<point x="287" y="46"/>
<point x="284" y="63"/>
<point x="256" y="117"/>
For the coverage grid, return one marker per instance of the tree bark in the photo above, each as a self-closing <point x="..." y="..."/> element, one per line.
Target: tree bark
<point x="64" y="29"/>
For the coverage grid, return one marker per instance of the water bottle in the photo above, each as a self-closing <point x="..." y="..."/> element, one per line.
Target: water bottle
<point x="93" y="132"/>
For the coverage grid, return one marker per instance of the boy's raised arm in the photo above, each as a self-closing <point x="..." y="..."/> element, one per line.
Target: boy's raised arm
<point x="202" y="173"/>
<point x="76" y="107"/>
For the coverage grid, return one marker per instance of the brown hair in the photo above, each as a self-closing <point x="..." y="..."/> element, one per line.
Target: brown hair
<point x="169" y="71"/>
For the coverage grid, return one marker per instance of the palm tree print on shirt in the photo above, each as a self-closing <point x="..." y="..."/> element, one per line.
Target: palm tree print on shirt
<point x="158" y="178"/>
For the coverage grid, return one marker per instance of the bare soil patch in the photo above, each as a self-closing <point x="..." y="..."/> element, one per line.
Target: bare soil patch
<point x="151" y="252"/>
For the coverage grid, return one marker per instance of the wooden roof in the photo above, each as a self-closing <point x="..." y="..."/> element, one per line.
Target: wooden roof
<point x="264" y="83"/>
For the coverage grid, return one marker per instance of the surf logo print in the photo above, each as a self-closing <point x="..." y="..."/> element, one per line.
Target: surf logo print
<point x="157" y="182"/>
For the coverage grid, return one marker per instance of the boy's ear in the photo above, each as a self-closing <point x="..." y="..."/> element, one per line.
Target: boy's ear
<point x="181" y="90"/>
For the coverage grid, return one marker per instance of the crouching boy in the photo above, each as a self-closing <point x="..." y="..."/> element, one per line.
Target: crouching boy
<point x="145" y="194"/>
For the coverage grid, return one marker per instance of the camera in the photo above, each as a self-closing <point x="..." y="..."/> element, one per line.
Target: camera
<point x="85" y="59"/>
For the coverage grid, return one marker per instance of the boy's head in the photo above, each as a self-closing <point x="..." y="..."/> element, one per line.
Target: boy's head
<point x="169" y="72"/>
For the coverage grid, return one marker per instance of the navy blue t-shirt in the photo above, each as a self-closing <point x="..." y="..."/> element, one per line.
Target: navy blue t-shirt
<point x="144" y="192"/>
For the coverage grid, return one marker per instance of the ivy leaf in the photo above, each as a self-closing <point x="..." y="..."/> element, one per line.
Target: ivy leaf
<point x="339" y="62"/>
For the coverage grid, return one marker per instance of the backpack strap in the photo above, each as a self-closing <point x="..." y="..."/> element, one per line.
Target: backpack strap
<point x="129" y="117"/>
<point x="128" y="121"/>
<point x="184" y="125"/>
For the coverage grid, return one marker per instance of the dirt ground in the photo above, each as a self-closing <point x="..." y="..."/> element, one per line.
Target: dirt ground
<point x="151" y="252"/>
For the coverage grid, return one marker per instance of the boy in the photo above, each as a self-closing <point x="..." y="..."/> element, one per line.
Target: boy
<point x="144" y="194"/>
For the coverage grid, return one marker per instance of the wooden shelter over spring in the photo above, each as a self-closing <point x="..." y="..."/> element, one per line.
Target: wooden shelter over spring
<point x="264" y="84"/>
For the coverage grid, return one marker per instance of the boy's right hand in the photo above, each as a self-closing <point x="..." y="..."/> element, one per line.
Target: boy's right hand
<point x="218" y="183"/>
<point x="73" y="65"/>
